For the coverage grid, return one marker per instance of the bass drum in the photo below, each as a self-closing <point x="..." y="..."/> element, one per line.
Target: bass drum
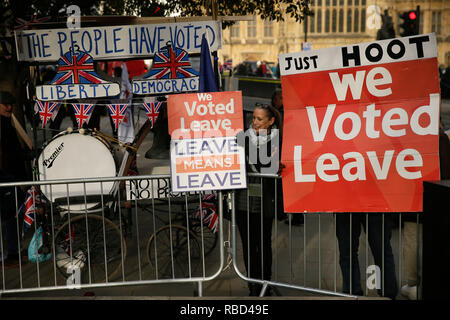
<point x="73" y="155"/>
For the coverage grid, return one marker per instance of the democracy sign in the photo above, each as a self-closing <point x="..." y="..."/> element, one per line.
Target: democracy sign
<point x="116" y="42"/>
<point x="171" y="72"/>
<point x="361" y="126"/>
<point x="204" y="153"/>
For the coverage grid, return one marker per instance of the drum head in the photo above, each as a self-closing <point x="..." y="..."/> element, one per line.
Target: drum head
<point x="73" y="156"/>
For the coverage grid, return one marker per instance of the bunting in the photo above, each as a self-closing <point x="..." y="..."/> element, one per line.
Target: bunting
<point x="45" y="110"/>
<point x="152" y="109"/>
<point x="82" y="113"/>
<point x="117" y="112"/>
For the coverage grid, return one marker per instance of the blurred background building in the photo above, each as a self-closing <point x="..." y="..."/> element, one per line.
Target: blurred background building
<point x="332" y="23"/>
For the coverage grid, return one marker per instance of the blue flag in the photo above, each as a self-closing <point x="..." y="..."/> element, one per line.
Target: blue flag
<point x="207" y="79"/>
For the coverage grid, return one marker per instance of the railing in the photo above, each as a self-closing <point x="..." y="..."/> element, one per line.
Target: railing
<point x="137" y="235"/>
<point x="307" y="256"/>
<point x="142" y="234"/>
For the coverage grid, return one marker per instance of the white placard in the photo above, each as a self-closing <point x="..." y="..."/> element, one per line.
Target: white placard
<point x="207" y="164"/>
<point x="369" y="53"/>
<point x="116" y="42"/>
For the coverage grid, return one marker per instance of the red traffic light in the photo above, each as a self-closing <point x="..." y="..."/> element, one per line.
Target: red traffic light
<point x="412" y="15"/>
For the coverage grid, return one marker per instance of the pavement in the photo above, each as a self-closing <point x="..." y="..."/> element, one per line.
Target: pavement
<point x="305" y="255"/>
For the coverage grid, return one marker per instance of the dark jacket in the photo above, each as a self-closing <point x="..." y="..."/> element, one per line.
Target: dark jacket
<point x="13" y="153"/>
<point x="262" y="156"/>
<point x="444" y="164"/>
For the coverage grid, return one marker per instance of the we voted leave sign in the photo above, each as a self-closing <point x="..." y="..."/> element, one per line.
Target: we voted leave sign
<point x="204" y="152"/>
<point x="361" y="126"/>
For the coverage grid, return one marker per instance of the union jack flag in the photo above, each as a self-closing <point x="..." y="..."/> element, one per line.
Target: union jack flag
<point x="25" y="24"/>
<point x="29" y="208"/>
<point x="45" y="110"/>
<point x="67" y="243"/>
<point x="170" y="64"/>
<point x="117" y="112"/>
<point x="76" y="67"/>
<point x="152" y="111"/>
<point x="208" y="213"/>
<point x="82" y="113"/>
<point x="228" y="65"/>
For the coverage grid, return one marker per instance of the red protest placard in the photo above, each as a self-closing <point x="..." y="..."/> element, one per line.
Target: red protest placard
<point x="361" y="126"/>
<point x="210" y="114"/>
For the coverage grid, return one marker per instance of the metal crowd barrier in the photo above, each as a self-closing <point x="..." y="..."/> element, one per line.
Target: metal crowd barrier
<point x="141" y="233"/>
<point x="306" y="256"/>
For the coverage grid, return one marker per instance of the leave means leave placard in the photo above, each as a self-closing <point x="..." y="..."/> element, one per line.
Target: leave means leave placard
<point x="204" y="151"/>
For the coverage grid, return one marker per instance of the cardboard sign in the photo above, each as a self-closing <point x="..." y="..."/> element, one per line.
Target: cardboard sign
<point x="146" y="189"/>
<point x="171" y="72"/>
<point x="199" y="115"/>
<point x="163" y="86"/>
<point x="361" y="126"/>
<point x="76" y="78"/>
<point x="116" y="42"/>
<point x="204" y="152"/>
<point x="76" y="91"/>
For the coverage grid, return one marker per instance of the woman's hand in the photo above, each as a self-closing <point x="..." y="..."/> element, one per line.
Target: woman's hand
<point x="280" y="168"/>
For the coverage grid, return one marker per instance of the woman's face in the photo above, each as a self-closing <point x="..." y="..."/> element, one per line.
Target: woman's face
<point x="261" y="120"/>
<point x="6" y="110"/>
<point x="277" y="101"/>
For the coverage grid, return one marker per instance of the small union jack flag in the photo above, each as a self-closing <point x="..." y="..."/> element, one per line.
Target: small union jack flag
<point x="45" y="110"/>
<point x="117" y="112"/>
<point x="208" y="213"/>
<point x="25" y="24"/>
<point x="29" y="208"/>
<point x="170" y="64"/>
<point x="67" y="243"/>
<point x="152" y="111"/>
<point x="228" y="65"/>
<point x="76" y="67"/>
<point x="82" y="113"/>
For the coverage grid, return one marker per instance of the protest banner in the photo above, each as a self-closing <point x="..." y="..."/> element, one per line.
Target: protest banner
<point x="204" y="152"/>
<point x="76" y="78"/>
<point x="116" y="42"/>
<point x="145" y="189"/>
<point x="171" y="72"/>
<point x="361" y="126"/>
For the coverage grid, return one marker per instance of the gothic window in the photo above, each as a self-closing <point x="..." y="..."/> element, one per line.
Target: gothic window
<point x="436" y="22"/>
<point x="333" y="21"/>
<point x="251" y="28"/>
<point x="327" y="20"/>
<point x="349" y="20"/>
<point x="235" y="30"/>
<point x="268" y="28"/>
<point x="356" y="23"/>
<point x="341" y="20"/>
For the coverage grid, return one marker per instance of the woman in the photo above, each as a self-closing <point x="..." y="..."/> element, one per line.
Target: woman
<point x="255" y="206"/>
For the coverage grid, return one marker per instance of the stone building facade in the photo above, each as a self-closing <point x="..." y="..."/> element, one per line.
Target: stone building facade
<point x="334" y="23"/>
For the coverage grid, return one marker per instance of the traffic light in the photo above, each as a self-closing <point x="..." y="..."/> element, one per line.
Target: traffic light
<point x="387" y="28"/>
<point x="410" y="24"/>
